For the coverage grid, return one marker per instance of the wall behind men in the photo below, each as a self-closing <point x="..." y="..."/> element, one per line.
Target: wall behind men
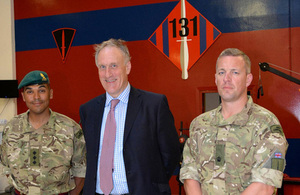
<point x="8" y="106"/>
<point x="267" y="31"/>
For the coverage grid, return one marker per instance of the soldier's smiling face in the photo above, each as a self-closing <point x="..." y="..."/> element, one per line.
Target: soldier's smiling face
<point x="37" y="98"/>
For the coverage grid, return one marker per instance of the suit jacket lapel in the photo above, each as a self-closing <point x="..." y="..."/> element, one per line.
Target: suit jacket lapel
<point x="99" y="109"/>
<point x="132" y="110"/>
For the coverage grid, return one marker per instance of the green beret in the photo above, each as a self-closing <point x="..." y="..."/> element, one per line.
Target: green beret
<point x="34" y="77"/>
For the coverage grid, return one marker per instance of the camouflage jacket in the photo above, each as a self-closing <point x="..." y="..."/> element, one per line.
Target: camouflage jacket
<point x="42" y="161"/>
<point x="226" y="156"/>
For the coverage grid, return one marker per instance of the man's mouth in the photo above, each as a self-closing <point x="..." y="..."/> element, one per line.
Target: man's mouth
<point x="227" y="87"/>
<point x="110" y="80"/>
<point x="37" y="104"/>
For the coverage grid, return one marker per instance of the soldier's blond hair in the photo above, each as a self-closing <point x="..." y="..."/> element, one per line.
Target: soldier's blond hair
<point x="236" y="52"/>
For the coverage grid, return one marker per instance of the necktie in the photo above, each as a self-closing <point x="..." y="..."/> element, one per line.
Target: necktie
<point x="107" y="153"/>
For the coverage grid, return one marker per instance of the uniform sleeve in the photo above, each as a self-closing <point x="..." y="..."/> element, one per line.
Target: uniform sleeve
<point x="3" y="152"/>
<point x="79" y="155"/>
<point x="189" y="164"/>
<point x="270" y="156"/>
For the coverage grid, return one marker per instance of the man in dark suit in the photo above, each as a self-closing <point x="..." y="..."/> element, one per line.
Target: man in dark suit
<point x="146" y="148"/>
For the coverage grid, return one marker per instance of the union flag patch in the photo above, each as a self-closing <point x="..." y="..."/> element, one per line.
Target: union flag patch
<point x="277" y="155"/>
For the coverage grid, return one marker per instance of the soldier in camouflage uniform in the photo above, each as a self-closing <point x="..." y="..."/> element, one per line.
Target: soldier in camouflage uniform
<point x="43" y="152"/>
<point x="239" y="147"/>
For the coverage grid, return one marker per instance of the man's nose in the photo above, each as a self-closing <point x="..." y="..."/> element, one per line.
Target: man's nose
<point x="227" y="77"/>
<point x="108" y="72"/>
<point x="36" y="95"/>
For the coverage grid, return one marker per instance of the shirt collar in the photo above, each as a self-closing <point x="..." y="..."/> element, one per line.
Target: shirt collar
<point x="123" y="97"/>
<point x="240" y="118"/>
<point x="48" y="125"/>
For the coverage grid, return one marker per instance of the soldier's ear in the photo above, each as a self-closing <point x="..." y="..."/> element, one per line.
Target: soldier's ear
<point x="22" y="93"/>
<point x="249" y="79"/>
<point x="51" y="93"/>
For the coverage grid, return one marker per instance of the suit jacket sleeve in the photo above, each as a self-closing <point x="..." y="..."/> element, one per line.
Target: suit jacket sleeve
<point x="168" y="138"/>
<point x="91" y="117"/>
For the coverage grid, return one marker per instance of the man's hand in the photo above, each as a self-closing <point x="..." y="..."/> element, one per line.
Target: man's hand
<point x="79" y="185"/>
<point x="192" y="187"/>
<point x="259" y="189"/>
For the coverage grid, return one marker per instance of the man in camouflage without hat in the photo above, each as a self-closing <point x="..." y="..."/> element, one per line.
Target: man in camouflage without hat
<point x="239" y="147"/>
<point x="42" y="151"/>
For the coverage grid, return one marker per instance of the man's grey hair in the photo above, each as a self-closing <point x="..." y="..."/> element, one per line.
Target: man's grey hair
<point x="118" y="43"/>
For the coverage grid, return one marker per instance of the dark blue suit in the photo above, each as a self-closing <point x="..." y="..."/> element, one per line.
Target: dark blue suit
<point x="151" y="146"/>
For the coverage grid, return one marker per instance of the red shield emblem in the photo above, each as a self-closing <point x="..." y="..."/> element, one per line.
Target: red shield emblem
<point x="63" y="38"/>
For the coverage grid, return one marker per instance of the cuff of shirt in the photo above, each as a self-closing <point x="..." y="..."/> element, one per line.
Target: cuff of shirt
<point x="189" y="172"/>
<point x="79" y="172"/>
<point x="5" y="170"/>
<point x="270" y="177"/>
